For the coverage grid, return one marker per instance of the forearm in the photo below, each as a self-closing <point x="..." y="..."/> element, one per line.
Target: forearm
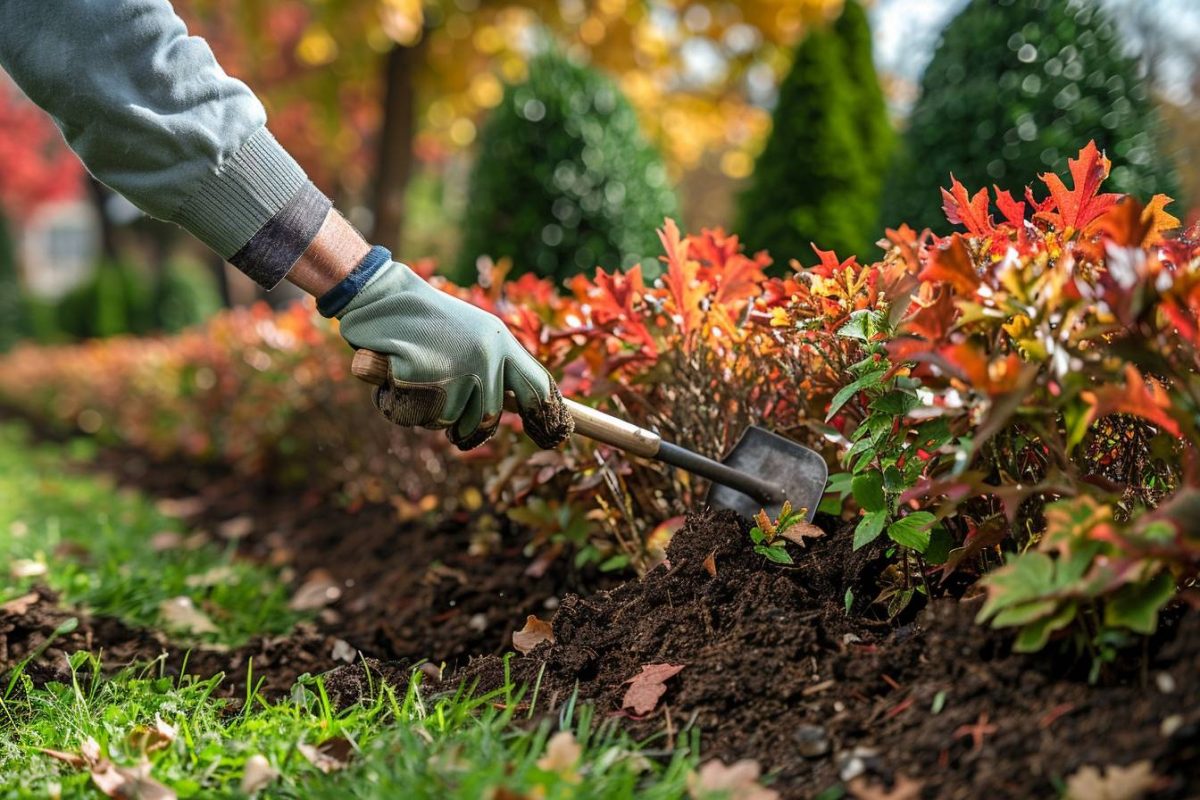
<point x="152" y="115"/>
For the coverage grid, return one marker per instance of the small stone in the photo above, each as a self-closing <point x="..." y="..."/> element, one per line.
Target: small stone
<point x="1170" y="725"/>
<point x="839" y="706"/>
<point x="478" y="623"/>
<point x="1165" y="683"/>
<point x="850" y="638"/>
<point x="550" y="603"/>
<point x="856" y="762"/>
<point x="342" y="651"/>
<point x="812" y="741"/>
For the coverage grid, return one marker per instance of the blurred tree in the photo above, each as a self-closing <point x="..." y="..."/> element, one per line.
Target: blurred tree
<point x="357" y="88"/>
<point x="11" y="315"/>
<point x="820" y="176"/>
<point x="36" y="166"/>
<point x="564" y="180"/>
<point x="1015" y="88"/>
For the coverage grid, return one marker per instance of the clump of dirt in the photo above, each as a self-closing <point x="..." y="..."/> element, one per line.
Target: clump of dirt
<point x="775" y="670"/>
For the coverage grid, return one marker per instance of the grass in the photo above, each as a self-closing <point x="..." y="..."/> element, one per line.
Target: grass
<point x="397" y="745"/>
<point x="91" y="542"/>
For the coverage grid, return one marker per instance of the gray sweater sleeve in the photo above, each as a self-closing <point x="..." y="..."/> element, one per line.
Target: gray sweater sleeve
<point x="152" y="115"/>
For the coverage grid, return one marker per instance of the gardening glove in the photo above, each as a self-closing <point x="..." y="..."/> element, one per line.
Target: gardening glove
<point x="451" y="362"/>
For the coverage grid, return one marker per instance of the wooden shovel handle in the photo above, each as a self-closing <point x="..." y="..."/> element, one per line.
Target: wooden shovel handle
<point x="373" y="368"/>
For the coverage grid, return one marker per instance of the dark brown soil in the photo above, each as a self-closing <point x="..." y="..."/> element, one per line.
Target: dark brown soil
<point x="775" y="670"/>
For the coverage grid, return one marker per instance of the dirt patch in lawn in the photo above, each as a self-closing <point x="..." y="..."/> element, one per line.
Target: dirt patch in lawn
<point x="774" y="669"/>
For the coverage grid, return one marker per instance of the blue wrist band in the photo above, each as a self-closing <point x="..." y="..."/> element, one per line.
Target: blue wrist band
<point x="332" y="302"/>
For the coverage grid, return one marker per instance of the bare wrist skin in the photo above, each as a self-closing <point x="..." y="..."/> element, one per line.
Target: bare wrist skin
<point x="332" y="255"/>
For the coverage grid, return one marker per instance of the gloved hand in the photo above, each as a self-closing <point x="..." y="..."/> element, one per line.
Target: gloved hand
<point x="450" y="361"/>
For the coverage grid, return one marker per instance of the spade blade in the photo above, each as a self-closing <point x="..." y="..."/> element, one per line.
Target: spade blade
<point x="798" y="471"/>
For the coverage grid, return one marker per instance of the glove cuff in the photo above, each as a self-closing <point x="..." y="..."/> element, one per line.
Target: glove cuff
<point x="336" y="299"/>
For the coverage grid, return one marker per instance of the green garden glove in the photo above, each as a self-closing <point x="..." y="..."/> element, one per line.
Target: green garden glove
<point x="451" y="362"/>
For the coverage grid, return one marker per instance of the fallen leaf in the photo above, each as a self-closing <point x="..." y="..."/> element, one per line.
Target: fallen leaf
<point x="1116" y="783"/>
<point x="129" y="782"/>
<point x="216" y="576"/>
<point x="148" y="738"/>
<point x="797" y="532"/>
<point x="738" y="781"/>
<point x="905" y="788"/>
<point x="330" y="755"/>
<point x="342" y="651"/>
<point x="166" y="540"/>
<point x="20" y="605"/>
<point x="26" y="568"/>
<point x="180" y="506"/>
<point x="534" y="633"/>
<point x="562" y="756"/>
<point x="710" y="564"/>
<point x="181" y="614"/>
<point x="318" y="590"/>
<point x="257" y="774"/>
<point x="237" y="528"/>
<point x="648" y="686"/>
<point x="71" y="759"/>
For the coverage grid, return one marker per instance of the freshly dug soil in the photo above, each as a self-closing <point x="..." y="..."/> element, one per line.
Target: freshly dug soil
<point x="775" y="670"/>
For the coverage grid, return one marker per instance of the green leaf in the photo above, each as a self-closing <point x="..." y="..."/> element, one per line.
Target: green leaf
<point x="848" y="600"/>
<point x="1025" y="578"/>
<point x="895" y="403"/>
<point x="869" y="379"/>
<point x="1136" y="606"/>
<point x="868" y="491"/>
<point x="939" y="702"/>
<point x="1033" y="637"/>
<point x="933" y="434"/>
<point x="912" y="531"/>
<point x="614" y="563"/>
<point x="831" y="504"/>
<point x="839" y="482"/>
<point x="776" y="554"/>
<point x="757" y="535"/>
<point x="940" y="544"/>
<point x="893" y="480"/>
<point x="869" y="528"/>
<point x="860" y="326"/>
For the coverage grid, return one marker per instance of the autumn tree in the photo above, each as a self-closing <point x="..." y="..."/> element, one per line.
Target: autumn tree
<point x="820" y="175"/>
<point x="564" y="180"/>
<point x="1014" y="88"/>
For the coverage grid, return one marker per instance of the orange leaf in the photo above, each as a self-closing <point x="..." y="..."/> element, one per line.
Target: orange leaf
<point x="1139" y="397"/>
<point x="534" y="633"/>
<point x="952" y="264"/>
<point x="970" y="212"/>
<point x="1157" y="220"/>
<point x="687" y="291"/>
<point x="1077" y="208"/>
<point x="648" y="686"/>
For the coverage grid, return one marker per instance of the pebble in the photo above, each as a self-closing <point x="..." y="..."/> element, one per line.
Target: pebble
<point x="550" y="604"/>
<point x="850" y="638"/>
<point x="1170" y="725"/>
<point x="812" y="741"/>
<point x="478" y="622"/>
<point x="857" y="762"/>
<point x="1165" y="683"/>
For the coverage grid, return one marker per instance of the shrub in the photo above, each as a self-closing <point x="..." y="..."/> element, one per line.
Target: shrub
<point x="114" y="300"/>
<point x="564" y="180"/>
<point x="11" y="317"/>
<point x="820" y="175"/>
<point x="1012" y="90"/>
<point x="1015" y="401"/>
<point x="186" y="295"/>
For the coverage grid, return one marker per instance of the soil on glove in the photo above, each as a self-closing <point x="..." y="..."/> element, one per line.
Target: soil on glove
<point x="774" y="669"/>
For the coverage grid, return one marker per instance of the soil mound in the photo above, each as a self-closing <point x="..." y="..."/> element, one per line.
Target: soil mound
<point x="774" y="669"/>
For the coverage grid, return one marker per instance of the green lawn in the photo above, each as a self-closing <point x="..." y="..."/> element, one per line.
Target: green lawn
<point x="86" y="539"/>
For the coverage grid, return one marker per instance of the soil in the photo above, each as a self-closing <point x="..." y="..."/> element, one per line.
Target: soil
<point x="773" y="667"/>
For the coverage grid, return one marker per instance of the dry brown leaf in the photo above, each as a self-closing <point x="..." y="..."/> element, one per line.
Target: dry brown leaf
<point x="20" y="605"/>
<point x="180" y="506"/>
<point x="181" y="614"/>
<point x="905" y="788"/>
<point x="129" y="782"/>
<point x="148" y="738"/>
<point x="237" y="528"/>
<point x="330" y="755"/>
<point x="648" y="686"/>
<point x="71" y="759"/>
<point x="318" y="590"/>
<point x="1116" y="783"/>
<point x="257" y="774"/>
<point x="166" y="540"/>
<point x="797" y="532"/>
<point x="710" y="564"/>
<point x="534" y="633"/>
<point x="738" y="781"/>
<point x="562" y="755"/>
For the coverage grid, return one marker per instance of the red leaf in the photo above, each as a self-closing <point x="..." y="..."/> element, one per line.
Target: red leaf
<point x="970" y="212"/>
<point x="1077" y="208"/>
<point x="830" y="266"/>
<point x="687" y="291"/>
<point x="1013" y="210"/>
<point x="1139" y="397"/>
<point x="648" y="686"/>
<point x="952" y="264"/>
